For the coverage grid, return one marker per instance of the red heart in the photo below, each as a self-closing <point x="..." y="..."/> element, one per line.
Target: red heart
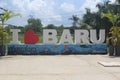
<point x="30" y="37"/>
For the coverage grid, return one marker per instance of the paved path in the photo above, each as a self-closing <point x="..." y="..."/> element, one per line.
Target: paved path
<point x="59" y="67"/>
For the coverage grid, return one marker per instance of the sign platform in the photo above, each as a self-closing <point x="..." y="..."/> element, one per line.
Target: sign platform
<point x="56" y="49"/>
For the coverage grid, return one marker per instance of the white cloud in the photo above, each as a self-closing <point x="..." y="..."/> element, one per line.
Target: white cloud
<point x="48" y="10"/>
<point x="37" y="8"/>
<point x="67" y="7"/>
<point x="112" y="1"/>
<point x="2" y="4"/>
<point x="90" y="4"/>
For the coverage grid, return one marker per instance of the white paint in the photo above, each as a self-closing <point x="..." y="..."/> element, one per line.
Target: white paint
<point x="15" y="36"/>
<point x="49" y="36"/>
<point x="81" y="36"/>
<point x="93" y="36"/>
<point x="66" y="37"/>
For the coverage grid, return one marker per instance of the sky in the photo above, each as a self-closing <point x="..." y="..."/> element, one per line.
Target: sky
<point x="55" y="12"/>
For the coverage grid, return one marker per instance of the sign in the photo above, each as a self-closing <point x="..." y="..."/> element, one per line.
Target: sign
<point x="50" y="37"/>
<point x="82" y="42"/>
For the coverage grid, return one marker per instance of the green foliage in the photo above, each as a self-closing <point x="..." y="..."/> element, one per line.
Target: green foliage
<point x="50" y="26"/>
<point x="3" y="35"/>
<point x="7" y="15"/>
<point x="112" y="17"/>
<point x="108" y="15"/>
<point x="115" y="35"/>
<point x="85" y="26"/>
<point x="34" y="24"/>
<point x="93" y="20"/>
<point x="75" y="20"/>
<point x="8" y="27"/>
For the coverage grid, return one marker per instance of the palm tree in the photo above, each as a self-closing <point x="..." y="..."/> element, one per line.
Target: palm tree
<point x="5" y="16"/>
<point x="75" y="20"/>
<point x="103" y="8"/>
<point x="118" y="1"/>
<point x="114" y="16"/>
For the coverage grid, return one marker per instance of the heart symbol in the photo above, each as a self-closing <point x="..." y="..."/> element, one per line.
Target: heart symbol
<point x="30" y="37"/>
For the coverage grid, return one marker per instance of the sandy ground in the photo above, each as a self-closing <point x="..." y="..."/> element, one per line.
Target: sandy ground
<point x="58" y="67"/>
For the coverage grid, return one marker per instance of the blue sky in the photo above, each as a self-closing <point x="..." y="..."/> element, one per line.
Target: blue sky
<point x="55" y="12"/>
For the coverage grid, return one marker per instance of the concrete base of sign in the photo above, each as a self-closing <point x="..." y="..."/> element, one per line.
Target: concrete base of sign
<point x="55" y="49"/>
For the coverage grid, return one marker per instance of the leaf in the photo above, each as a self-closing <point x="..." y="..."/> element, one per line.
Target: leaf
<point x="8" y="15"/>
<point x="111" y="16"/>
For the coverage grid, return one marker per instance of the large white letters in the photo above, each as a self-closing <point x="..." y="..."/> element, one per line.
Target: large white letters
<point x="81" y="36"/>
<point x="93" y="36"/>
<point x="15" y="36"/>
<point x="49" y="36"/>
<point x="66" y="37"/>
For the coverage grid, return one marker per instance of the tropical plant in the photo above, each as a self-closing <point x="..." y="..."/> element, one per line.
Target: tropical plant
<point x="115" y="30"/>
<point x="75" y="20"/>
<point x="115" y="33"/>
<point x="3" y="35"/>
<point x="5" y="16"/>
<point x="112" y="17"/>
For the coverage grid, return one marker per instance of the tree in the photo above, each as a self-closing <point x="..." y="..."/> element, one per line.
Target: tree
<point x="5" y="16"/>
<point x="84" y="26"/>
<point x="8" y="27"/>
<point x="112" y="17"/>
<point x="75" y="20"/>
<point x="113" y="13"/>
<point x="3" y="33"/>
<point x="92" y="19"/>
<point x="51" y="26"/>
<point x="34" y="24"/>
<point x="118" y="1"/>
